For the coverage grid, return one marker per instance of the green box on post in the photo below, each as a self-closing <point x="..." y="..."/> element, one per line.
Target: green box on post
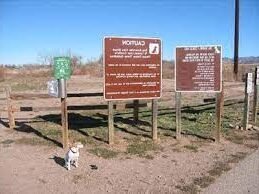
<point x="62" y="68"/>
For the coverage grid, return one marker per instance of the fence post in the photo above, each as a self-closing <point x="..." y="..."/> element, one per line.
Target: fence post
<point x="248" y="90"/>
<point x="219" y="112"/>
<point x="110" y="123"/>
<point x="178" y="114"/>
<point x="10" y="108"/>
<point x="64" y="116"/>
<point x="256" y="88"/>
<point x="154" y="119"/>
<point x="136" y="110"/>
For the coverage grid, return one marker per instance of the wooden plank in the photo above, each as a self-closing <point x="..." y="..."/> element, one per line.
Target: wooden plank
<point x="205" y="100"/>
<point x="135" y="110"/>
<point x="154" y="119"/>
<point x="74" y="108"/>
<point x="28" y="96"/>
<point x="140" y="105"/>
<point x="33" y="96"/>
<point x="246" y="111"/>
<point x="219" y="113"/>
<point x="178" y="114"/>
<point x="246" y="106"/>
<point x="88" y="107"/>
<point x="9" y="108"/>
<point x="94" y="94"/>
<point x="255" y="101"/>
<point x="110" y="123"/>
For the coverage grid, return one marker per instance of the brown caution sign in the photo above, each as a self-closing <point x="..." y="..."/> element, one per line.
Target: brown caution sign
<point x="132" y="68"/>
<point x="198" y="68"/>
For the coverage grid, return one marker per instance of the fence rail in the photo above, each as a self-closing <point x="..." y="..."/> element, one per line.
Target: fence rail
<point x="11" y="97"/>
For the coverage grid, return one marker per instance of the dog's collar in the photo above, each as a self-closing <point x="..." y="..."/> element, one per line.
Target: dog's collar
<point x="73" y="151"/>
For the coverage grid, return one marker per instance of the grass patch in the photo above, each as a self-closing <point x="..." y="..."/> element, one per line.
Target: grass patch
<point x="149" y="157"/>
<point x="235" y="138"/>
<point x="191" y="188"/>
<point x="219" y="168"/>
<point x="34" y="141"/>
<point x="235" y="158"/>
<point x="191" y="147"/>
<point x="204" y="181"/>
<point x="141" y="148"/>
<point x="7" y="142"/>
<point x="104" y="153"/>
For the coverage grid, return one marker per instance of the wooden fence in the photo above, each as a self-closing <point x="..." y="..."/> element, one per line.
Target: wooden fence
<point x="11" y="97"/>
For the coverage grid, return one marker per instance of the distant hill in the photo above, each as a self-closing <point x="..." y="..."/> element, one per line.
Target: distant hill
<point x="243" y="60"/>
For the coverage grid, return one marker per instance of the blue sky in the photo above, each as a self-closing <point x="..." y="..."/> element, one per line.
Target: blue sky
<point x="30" y="28"/>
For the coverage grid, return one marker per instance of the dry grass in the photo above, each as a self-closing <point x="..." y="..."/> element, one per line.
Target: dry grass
<point x="104" y="153"/>
<point x="203" y="181"/>
<point x="190" y="188"/>
<point x="219" y="168"/>
<point x="94" y="68"/>
<point x="2" y="74"/>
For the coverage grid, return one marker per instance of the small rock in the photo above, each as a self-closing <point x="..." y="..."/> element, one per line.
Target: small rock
<point x="241" y="128"/>
<point x="237" y="127"/>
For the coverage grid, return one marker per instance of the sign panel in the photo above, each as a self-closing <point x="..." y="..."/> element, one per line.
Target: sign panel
<point x="249" y="83"/>
<point x="62" y="68"/>
<point x="132" y="68"/>
<point x="198" y="69"/>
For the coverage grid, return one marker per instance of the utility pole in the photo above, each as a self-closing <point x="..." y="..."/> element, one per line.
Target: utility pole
<point x="236" y="41"/>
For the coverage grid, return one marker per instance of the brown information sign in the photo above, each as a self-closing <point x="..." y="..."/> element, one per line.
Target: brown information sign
<point x="132" y="68"/>
<point x="198" y="68"/>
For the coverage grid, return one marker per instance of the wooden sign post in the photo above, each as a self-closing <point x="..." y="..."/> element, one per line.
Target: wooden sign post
<point x="219" y="113"/>
<point x="110" y="123"/>
<point x="198" y="69"/>
<point x="135" y="110"/>
<point x="178" y="114"/>
<point x="132" y="71"/>
<point x="248" y="91"/>
<point x="256" y="89"/>
<point x="154" y="119"/>
<point x="64" y="116"/>
<point x="62" y="72"/>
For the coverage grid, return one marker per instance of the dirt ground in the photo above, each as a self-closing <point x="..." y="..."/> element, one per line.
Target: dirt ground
<point x="39" y="169"/>
<point x="185" y="166"/>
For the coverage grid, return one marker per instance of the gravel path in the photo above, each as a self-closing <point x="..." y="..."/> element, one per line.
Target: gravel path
<point x="244" y="178"/>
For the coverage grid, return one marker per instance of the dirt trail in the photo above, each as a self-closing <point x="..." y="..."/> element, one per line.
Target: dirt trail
<point x="39" y="169"/>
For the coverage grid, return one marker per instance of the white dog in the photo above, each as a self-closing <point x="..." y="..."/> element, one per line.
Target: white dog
<point x="72" y="155"/>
